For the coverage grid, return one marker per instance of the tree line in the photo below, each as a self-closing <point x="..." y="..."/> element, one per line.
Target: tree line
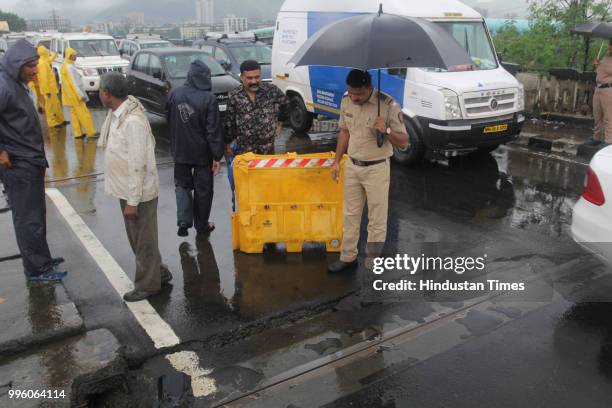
<point x="549" y="43"/>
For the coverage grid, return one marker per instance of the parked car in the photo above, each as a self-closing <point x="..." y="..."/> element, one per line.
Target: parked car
<point x="592" y="215"/>
<point x="7" y="41"/>
<point x="231" y="51"/>
<point x="96" y="55"/>
<point x="154" y="72"/>
<point x="130" y="46"/>
<point x="41" y="38"/>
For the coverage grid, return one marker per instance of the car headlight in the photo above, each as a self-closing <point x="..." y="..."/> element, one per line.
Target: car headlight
<point x="451" y="105"/>
<point x="521" y="98"/>
<point x="90" y="72"/>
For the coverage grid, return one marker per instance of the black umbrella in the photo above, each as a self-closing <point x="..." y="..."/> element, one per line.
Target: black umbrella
<point x="378" y="41"/>
<point x="594" y="29"/>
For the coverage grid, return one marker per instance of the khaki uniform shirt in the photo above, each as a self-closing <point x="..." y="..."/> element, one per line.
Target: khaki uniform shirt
<point x="359" y="121"/>
<point x="604" y="70"/>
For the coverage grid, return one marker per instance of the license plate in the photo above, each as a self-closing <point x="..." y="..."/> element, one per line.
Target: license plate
<point x="496" y="128"/>
<point x="222" y="108"/>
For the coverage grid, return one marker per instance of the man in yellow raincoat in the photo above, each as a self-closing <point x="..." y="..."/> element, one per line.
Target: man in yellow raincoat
<point x="75" y="97"/>
<point x="40" y="100"/>
<point x="48" y="87"/>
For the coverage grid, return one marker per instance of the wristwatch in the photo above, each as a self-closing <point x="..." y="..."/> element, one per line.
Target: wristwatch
<point x="388" y="132"/>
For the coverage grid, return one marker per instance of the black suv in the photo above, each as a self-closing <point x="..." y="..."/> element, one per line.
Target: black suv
<point x="231" y="52"/>
<point x="154" y="72"/>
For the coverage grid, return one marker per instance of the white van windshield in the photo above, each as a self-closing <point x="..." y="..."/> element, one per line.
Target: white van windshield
<point x="473" y="37"/>
<point x="94" y="48"/>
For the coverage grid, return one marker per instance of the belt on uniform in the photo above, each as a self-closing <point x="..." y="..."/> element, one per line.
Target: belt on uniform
<point x="601" y="86"/>
<point x="367" y="163"/>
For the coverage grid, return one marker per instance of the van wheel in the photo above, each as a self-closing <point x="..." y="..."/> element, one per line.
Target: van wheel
<point x="413" y="156"/>
<point x="300" y="120"/>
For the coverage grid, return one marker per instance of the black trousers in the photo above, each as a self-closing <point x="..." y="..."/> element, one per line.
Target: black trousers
<point x="194" y="195"/>
<point x="25" y="186"/>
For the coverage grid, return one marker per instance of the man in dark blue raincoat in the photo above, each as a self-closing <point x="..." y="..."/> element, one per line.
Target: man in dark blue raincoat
<point x="23" y="163"/>
<point x="197" y="147"/>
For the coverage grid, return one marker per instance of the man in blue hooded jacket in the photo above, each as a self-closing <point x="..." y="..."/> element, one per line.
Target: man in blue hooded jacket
<point x="196" y="139"/>
<point x="23" y="163"/>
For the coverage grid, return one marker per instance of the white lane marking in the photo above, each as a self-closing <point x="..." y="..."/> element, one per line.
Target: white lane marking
<point x="188" y="362"/>
<point x="160" y="332"/>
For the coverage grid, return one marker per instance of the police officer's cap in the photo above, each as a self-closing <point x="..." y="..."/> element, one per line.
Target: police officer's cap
<point x="358" y="79"/>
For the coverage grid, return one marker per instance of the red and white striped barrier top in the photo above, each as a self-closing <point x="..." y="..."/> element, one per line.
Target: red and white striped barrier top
<point x="289" y="163"/>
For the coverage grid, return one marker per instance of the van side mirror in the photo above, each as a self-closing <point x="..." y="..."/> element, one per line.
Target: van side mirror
<point x="500" y="57"/>
<point x="121" y="52"/>
<point x="226" y="65"/>
<point x="157" y="75"/>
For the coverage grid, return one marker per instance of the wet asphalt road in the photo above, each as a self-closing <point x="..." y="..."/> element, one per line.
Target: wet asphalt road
<point x="514" y="202"/>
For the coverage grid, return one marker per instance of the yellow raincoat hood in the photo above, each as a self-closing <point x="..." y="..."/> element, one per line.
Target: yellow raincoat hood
<point x="46" y="78"/>
<point x="43" y="52"/>
<point x="70" y="52"/>
<point x="71" y="96"/>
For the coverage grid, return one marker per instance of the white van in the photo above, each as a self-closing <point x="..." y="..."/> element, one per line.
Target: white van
<point x="447" y="113"/>
<point x="96" y="55"/>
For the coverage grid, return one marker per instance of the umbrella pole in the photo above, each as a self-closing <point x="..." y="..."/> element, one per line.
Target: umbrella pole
<point x="379" y="92"/>
<point x="380" y="138"/>
<point x="600" y="48"/>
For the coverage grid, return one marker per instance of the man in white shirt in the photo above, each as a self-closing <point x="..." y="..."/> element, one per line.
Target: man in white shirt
<point x="130" y="174"/>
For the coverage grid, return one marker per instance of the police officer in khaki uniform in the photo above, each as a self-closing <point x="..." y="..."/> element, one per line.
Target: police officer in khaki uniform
<point x="366" y="172"/>
<point x="602" y="99"/>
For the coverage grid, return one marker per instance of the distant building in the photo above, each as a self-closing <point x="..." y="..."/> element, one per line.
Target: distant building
<point x="105" y="28"/>
<point x="232" y="24"/>
<point x="53" y="23"/>
<point x="136" y="18"/>
<point x="194" y="32"/>
<point x="205" y="11"/>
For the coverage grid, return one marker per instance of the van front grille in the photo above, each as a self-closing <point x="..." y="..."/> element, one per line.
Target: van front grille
<point x="490" y="101"/>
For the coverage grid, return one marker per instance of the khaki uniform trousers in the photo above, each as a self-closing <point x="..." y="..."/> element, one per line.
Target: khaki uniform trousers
<point x="602" y="113"/>
<point x="361" y="183"/>
<point x="142" y="234"/>
<point x="53" y="110"/>
<point x="80" y="118"/>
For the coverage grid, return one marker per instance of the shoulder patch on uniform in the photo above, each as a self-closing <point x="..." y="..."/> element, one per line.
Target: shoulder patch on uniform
<point x="383" y="97"/>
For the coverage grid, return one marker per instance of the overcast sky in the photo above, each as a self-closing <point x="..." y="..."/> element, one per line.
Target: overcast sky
<point x="84" y="10"/>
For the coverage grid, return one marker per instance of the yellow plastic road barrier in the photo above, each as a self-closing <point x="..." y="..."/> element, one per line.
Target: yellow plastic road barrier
<point x="287" y="198"/>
